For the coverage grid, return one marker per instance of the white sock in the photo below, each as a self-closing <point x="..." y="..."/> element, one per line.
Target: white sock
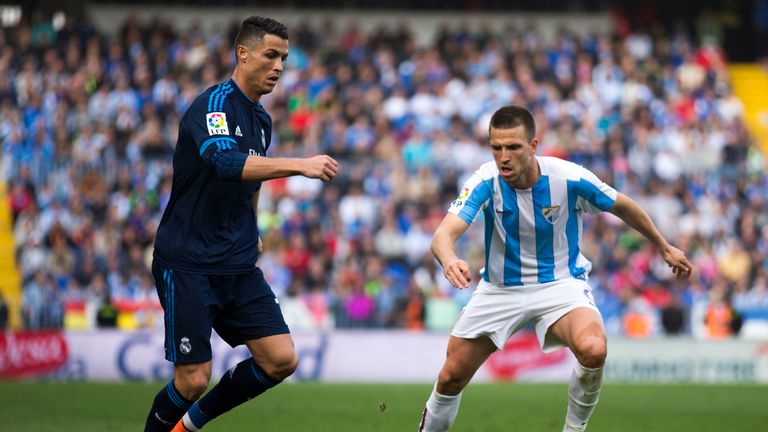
<point x="188" y="423"/>
<point x="440" y="412"/>
<point x="583" y="393"/>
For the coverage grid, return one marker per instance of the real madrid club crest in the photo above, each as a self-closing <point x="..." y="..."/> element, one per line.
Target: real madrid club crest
<point x="185" y="347"/>
<point x="551" y="214"/>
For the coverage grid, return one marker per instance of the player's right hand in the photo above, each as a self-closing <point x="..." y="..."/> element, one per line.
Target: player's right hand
<point x="458" y="274"/>
<point x="321" y="167"/>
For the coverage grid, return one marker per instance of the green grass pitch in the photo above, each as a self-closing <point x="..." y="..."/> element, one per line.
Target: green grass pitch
<point x="315" y="407"/>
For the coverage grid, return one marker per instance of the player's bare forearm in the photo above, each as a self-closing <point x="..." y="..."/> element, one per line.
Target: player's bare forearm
<point x="259" y="168"/>
<point x="444" y="240"/>
<point x="634" y="216"/>
<point x="443" y="247"/>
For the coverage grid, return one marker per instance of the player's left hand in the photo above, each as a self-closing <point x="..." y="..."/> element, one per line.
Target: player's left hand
<point x="678" y="262"/>
<point x="321" y="167"/>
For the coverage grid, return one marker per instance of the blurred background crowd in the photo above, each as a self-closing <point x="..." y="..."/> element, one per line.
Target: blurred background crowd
<point x="88" y="125"/>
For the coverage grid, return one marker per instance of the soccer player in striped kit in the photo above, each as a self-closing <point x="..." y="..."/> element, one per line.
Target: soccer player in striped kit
<point x="534" y="270"/>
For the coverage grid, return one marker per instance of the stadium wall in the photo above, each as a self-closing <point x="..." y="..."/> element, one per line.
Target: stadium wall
<point x="380" y="356"/>
<point x="424" y="24"/>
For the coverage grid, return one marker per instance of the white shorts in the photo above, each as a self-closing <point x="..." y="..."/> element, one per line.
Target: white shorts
<point x="500" y="311"/>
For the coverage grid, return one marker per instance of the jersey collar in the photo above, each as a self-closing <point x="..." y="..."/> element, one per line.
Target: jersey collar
<point x="241" y="94"/>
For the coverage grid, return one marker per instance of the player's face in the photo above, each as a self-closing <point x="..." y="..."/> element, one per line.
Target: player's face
<point x="513" y="153"/>
<point x="263" y="63"/>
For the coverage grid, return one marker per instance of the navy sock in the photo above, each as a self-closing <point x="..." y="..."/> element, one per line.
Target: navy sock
<point x="243" y="382"/>
<point x="167" y="409"/>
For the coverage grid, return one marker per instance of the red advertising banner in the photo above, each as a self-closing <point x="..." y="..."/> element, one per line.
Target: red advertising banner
<point x="24" y="354"/>
<point x="521" y="353"/>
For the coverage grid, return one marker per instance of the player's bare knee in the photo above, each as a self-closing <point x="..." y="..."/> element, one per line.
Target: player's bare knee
<point x="449" y="383"/>
<point x="192" y="380"/>
<point x="592" y="353"/>
<point x="193" y="385"/>
<point x="282" y="367"/>
<point x="289" y="367"/>
<point x="449" y="388"/>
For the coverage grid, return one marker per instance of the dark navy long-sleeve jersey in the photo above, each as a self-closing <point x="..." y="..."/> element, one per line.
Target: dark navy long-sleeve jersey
<point x="209" y="225"/>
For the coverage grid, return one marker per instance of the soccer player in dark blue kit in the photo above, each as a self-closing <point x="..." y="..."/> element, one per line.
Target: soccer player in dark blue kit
<point x="207" y="243"/>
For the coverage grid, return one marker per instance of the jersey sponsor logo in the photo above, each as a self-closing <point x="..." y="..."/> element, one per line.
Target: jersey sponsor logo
<point x="217" y="123"/>
<point x="551" y="214"/>
<point x="238" y="132"/>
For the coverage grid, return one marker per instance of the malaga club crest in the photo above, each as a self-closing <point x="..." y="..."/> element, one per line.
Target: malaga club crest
<point x="551" y="214"/>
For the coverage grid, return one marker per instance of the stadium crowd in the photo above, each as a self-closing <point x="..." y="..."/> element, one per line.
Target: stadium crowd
<point x="88" y="124"/>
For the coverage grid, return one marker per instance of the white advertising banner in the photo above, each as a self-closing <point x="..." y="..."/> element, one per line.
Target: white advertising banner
<point x="687" y="360"/>
<point x="341" y="356"/>
<point x="380" y="356"/>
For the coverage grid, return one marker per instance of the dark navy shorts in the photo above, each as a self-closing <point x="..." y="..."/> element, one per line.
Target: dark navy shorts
<point x="239" y="307"/>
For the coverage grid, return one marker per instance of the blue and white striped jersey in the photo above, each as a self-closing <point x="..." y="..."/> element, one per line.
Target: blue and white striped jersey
<point x="534" y="235"/>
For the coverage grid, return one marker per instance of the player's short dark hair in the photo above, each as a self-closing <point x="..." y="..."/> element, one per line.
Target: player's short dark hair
<point x="512" y="116"/>
<point x="253" y="29"/>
